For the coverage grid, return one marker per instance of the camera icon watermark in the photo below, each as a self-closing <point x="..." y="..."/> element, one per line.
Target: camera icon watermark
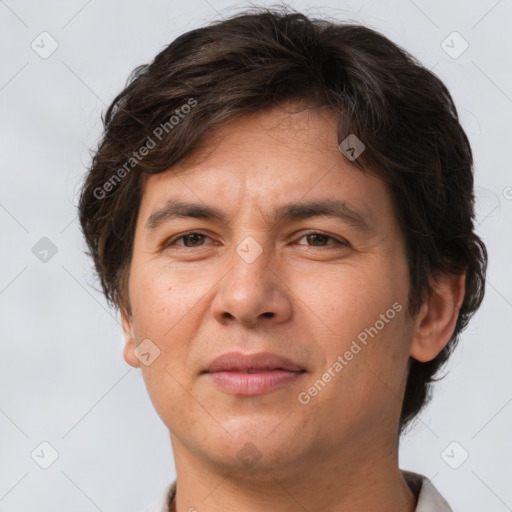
<point x="249" y="454"/>
<point x="454" y="455"/>
<point x="454" y="45"/>
<point x="352" y="147"/>
<point x="44" y="45"/>
<point x="249" y="250"/>
<point x="507" y="193"/>
<point x="44" y="455"/>
<point x="44" y="250"/>
<point x="146" y="352"/>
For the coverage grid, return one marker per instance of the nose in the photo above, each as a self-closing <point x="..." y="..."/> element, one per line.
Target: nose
<point x="252" y="292"/>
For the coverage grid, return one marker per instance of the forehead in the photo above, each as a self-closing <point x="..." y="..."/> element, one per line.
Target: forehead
<point x="268" y="158"/>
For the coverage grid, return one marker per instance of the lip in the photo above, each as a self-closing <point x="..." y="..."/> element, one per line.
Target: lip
<point x="252" y="374"/>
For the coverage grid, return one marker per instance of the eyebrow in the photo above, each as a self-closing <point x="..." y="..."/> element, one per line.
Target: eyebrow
<point x="291" y="211"/>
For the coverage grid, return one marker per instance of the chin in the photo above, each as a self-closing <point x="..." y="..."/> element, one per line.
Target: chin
<point x="255" y="445"/>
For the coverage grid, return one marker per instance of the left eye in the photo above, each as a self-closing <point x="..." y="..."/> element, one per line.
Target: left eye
<point x="316" y="239"/>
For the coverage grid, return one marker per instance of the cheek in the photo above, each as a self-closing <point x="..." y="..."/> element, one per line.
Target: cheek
<point x="162" y="299"/>
<point x="365" y="386"/>
<point x="163" y="311"/>
<point x="345" y="299"/>
<point x="361" y="311"/>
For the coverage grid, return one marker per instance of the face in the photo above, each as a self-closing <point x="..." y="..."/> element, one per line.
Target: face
<point x="316" y="292"/>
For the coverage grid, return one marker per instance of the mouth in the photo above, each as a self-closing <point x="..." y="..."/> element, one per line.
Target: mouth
<point x="252" y="374"/>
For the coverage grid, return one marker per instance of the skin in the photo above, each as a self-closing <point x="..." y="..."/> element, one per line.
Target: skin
<point x="339" y="452"/>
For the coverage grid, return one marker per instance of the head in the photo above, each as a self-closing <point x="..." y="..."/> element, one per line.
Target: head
<point x="371" y="252"/>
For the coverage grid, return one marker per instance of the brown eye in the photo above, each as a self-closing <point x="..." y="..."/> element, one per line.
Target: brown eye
<point x="317" y="239"/>
<point x="320" y="240"/>
<point x="190" y="240"/>
<point x="194" y="239"/>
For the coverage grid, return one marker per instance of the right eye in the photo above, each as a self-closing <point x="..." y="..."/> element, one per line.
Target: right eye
<point x="192" y="237"/>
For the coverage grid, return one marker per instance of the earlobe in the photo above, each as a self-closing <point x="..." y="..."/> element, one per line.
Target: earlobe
<point x="129" y="340"/>
<point x="435" y="323"/>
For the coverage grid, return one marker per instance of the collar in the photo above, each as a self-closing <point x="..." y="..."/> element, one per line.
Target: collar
<point x="429" y="498"/>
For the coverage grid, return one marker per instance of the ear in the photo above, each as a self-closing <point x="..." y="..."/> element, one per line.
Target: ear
<point x="436" y="320"/>
<point x="129" y="339"/>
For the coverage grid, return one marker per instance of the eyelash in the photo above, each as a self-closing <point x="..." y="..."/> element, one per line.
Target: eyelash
<point x="173" y="241"/>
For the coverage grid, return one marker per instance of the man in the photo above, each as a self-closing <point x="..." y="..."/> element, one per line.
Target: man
<point x="282" y="210"/>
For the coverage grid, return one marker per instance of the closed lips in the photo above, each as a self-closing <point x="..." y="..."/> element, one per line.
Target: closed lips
<point x="252" y="363"/>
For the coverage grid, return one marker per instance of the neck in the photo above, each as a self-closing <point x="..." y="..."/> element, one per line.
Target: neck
<point x="354" y="480"/>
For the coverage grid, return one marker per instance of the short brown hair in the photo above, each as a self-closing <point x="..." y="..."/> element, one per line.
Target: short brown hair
<point x="266" y="57"/>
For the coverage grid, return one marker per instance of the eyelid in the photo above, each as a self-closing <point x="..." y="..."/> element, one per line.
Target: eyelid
<point x="338" y="241"/>
<point x="172" y="240"/>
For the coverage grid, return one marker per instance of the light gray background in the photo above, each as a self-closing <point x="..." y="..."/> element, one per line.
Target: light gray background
<point x="63" y="379"/>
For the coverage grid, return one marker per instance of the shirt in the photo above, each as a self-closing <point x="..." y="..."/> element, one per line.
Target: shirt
<point x="429" y="498"/>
